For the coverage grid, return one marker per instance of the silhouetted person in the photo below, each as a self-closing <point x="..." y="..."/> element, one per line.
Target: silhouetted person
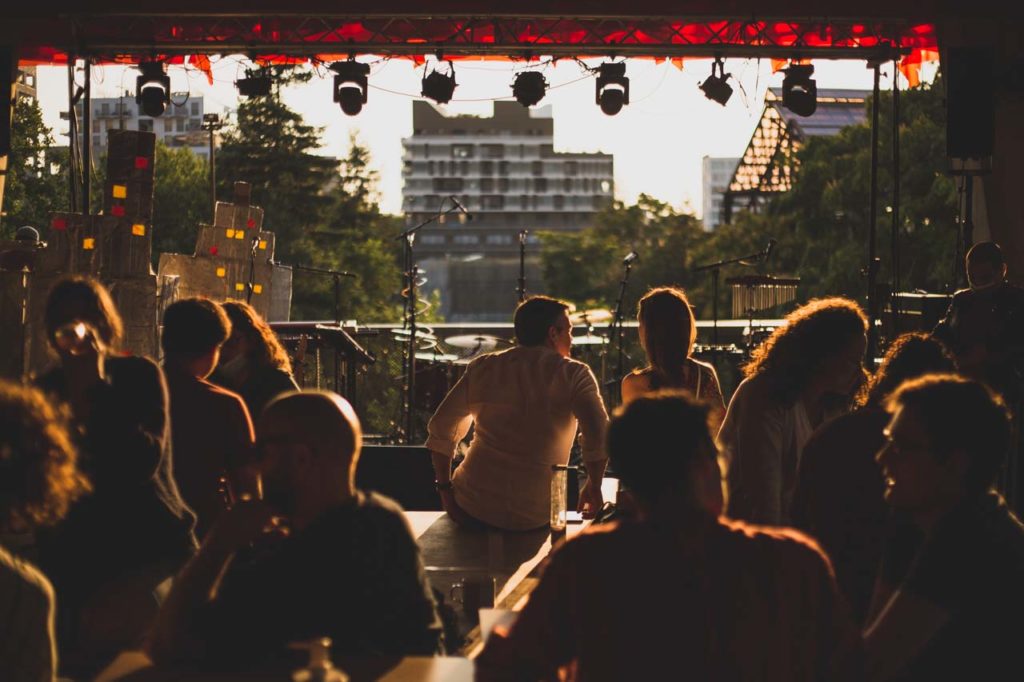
<point x="525" y="404"/>
<point x="39" y="480"/>
<point x="950" y="598"/>
<point x="984" y="326"/>
<point x="349" y="568"/>
<point x="210" y="426"/>
<point x="681" y="593"/>
<point x="813" y="357"/>
<point x="839" y="497"/>
<point x="253" y="363"/>
<point x="117" y="545"/>
<point x="668" y="331"/>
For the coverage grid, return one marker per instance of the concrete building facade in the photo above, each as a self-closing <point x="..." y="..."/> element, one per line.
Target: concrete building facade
<point x="716" y="174"/>
<point x="179" y="126"/>
<point x="505" y="171"/>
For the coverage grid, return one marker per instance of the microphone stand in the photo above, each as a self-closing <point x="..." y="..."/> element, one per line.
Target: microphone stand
<point x="521" y="289"/>
<point x="336" y="275"/>
<point x="616" y="326"/>
<point x="411" y="274"/>
<point x="252" y="267"/>
<point x="715" y="269"/>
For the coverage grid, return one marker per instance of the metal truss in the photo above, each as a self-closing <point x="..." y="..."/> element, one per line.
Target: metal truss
<point x="123" y="35"/>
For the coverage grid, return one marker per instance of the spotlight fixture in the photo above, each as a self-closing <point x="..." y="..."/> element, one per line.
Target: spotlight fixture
<point x="612" y="87"/>
<point x="440" y="87"/>
<point x="715" y="87"/>
<point x="350" y="85"/>
<point x="152" y="89"/>
<point x="799" y="91"/>
<point x="255" y="84"/>
<point x="529" y="87"/>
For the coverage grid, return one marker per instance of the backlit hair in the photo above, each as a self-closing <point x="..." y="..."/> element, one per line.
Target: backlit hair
<point x="79" y="297"/>
<point x="670" y="331"/>
<point x="264" y="346"/>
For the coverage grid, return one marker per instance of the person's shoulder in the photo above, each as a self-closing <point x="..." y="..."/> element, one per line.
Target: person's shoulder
<point x="381" y="509"/>
<point x="136" y="365"/>
<point x="221" y="395"/>
<point x="705" y="367"/>
<point x="640" y="378"/>
<point x="786" y="547"/>
<point x="32" y="584"/>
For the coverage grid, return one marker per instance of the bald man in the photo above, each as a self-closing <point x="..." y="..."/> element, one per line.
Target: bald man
<point x="347" y="566"/>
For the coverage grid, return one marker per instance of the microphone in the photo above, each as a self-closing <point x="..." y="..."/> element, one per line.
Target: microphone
<point x="630" y="257"/>
<point x="458" y="205"/>
<point x="768" y="249"/>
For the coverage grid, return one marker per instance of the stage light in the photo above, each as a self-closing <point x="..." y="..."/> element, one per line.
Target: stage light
<point x="612" y="88"/>
<point x="152" y="89"/>
<point x="255" y="84"/>
<point x="715" y="87"/>
<point x="529" y="87"/>
<point x="440" y="87"/>
<point x="350" y="85"/>
<point x="799" y="91"/>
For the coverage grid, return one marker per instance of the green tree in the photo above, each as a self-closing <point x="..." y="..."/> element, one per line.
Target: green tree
<point x="180" y="199"/>
<point x="37" y="172"/>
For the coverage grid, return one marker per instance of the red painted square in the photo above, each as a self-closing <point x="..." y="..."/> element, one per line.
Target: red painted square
<point x="59" y="224"/>
<point x="214" y="250"/>
<point x="141" y="162"/>
<point x="117" y="210"/>
<point x="251" y="223"/>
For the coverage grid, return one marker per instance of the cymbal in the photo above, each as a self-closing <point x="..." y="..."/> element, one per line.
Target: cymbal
<point x="474" y="341"/>
<point x="595" y="316"/>
<point x="589" y="340"/>
<point x="436" y="357"/>
<point x="403" y="334"/>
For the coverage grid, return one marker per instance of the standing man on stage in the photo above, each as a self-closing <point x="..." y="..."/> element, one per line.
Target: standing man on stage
<point x="525" y="404"/>
<point x="984" y="326"/>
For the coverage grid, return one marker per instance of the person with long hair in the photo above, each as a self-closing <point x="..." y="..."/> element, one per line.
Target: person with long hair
<point x="253" y="363"/>
<point x="668" y="331"/>
<point x="840" y="494"/>
<point x="814" y="357"/>
<point x="115" y="546"/>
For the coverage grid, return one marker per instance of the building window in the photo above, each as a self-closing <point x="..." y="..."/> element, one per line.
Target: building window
<point x="463" y="168"/>
<point x="195" y="108"/>
<point x="502" y="184"/>
<point x="146" y="125"/>
<point x="431" y="167"/>
<point x="540" y="185"/>
<point x="494" y="151"/>
<point x="503" y="168"/>
<point x="462" y="151"/>
<point x="194" y="124"/>
<point x="448" y="184"/>
<point x="524" y="202"/>
<point x="537" y="167"/>
<point x="105" y="108"/>
<point x="559" y="202"/>
<point x="567" y="185"/>
<point x="426" y="151"/>
<point x="499" y="239"/>
<point x="466" y="239"/>
<point x="486" y="168"/>
<point x="95" y="126"/>
<point x="432" y="239"/>
<point x="493" y="201"/>
<point x="570" y="168"/>
<point x="606" y="186"/>
<point x="95" y="140"/>
<point x="486" y="185"/>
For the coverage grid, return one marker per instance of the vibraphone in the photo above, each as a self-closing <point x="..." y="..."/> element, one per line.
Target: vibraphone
<point x="758" y="293"/>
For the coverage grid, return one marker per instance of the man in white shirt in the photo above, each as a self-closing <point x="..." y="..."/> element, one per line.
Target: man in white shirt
<point x="526" y="403"/>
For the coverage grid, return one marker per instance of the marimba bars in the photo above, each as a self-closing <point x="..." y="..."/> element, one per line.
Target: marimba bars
<point x="756" y="293"/>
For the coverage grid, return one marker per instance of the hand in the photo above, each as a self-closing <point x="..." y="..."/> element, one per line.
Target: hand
<point x="239" y="526"/>
<point x="82" y="356"/>
<point x="591" y="499"/>
<point x="457" y="513"/>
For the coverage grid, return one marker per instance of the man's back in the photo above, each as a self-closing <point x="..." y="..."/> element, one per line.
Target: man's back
<point x="524" y="404"/>
<point x="211" y="435"/>
<point x="26" y="631"/>
<point x="714" y="601"/>
<point x="354" y="575"/>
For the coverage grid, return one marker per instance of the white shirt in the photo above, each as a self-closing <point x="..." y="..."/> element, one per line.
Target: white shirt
<point x="526" y="403"/>
<point x="761" y="441"/>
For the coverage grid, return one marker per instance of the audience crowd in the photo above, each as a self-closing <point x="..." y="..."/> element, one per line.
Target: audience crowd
<point x="827" y="523"/>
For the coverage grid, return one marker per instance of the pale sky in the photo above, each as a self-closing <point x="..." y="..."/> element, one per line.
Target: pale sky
<point x="658" y="140"/>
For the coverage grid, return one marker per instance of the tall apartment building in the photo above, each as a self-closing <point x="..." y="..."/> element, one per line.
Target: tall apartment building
<point x="25" y="85"/>
<point x="505" y="171"/>
<point x="179" y="126"/>
<point x="717" y="172"/>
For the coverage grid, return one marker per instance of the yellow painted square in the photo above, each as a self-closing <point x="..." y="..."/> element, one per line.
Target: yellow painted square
<point x="88" y="243"/>
<point x="120" y="191"/>
<point x="263" y="244"/>
<point x="257" y="288"/>
<point x="239" y="234"/>
<point x="230" y="234"/>
<point x="239" y="286"/>
<point x="221" y="272"/>
<point x="139" y="230"/>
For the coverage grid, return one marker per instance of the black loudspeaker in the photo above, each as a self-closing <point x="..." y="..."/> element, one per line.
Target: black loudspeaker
<point x="7" y="73"/>
<point x="405" y="473"/>
<point x="970" y="102"/>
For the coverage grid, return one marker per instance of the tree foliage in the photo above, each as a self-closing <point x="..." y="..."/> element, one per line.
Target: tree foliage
<point x="37" y="173"/>
<point x="180" y="199"/>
